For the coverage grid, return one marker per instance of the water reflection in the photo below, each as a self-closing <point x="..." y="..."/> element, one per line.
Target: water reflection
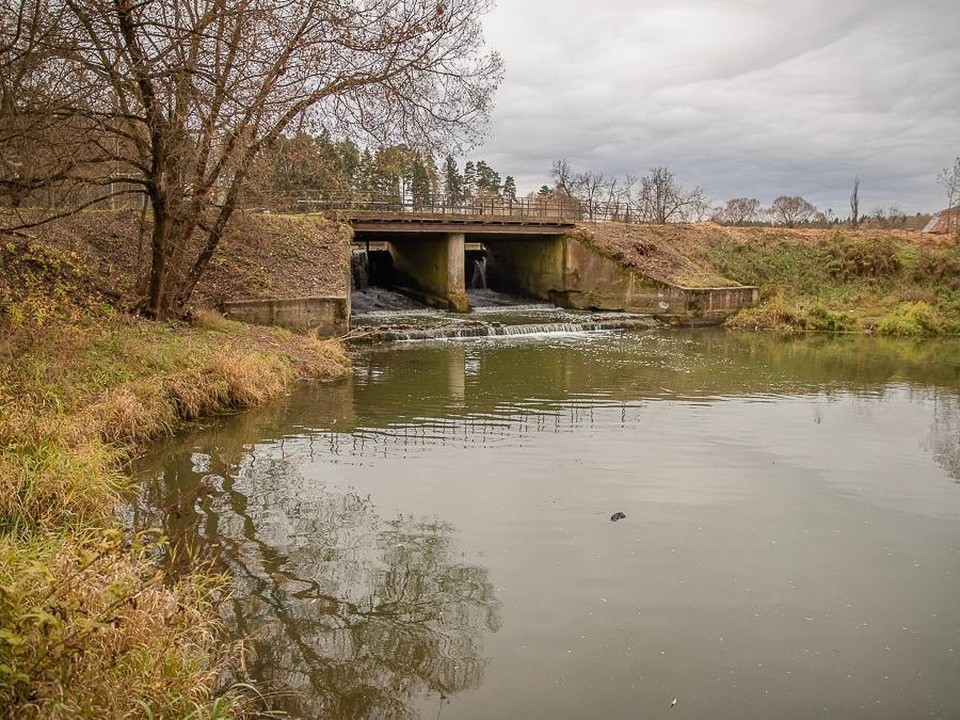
<point x="945" y="434"/>
<point x="789" y="546"/>
<point x="349" y="615"/>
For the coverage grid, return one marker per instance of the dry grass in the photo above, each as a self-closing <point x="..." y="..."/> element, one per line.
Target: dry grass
<point x="684" y="253"/>
<point x="80" y="403"/>
<point x="669" y="253"/>
<point x="89" y="626"/>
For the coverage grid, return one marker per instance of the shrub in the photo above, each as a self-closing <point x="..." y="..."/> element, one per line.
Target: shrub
<point x="912" y="320"/>
<point x="938" y="267"/>
<point x="846" y="259"/>
<point x="780" y="313"/>
<point x="788" y="315"/>
<point x="822" y="319"/>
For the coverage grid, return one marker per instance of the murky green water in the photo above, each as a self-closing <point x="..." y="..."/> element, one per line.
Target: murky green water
<point x="433" y="537"/>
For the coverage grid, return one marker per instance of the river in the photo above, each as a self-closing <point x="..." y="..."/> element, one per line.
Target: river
<point x="433" y="537"/>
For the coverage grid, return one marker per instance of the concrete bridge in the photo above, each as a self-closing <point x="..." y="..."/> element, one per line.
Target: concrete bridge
<point x="428" y="240"/>
<point x="431" y="252"/>
<point x="532" y="248"/>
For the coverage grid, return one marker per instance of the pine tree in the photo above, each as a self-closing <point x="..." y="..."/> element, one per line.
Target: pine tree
<point x="348" y="158"/>
<point x="469" y="180"/>
<point x="452" y="181"/>
<point x="510" y="188"/>
<point x="366" y="173"/>
<point x="421" y="175"/>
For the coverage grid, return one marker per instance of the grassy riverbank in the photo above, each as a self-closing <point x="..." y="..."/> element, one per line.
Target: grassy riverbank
<point x="884" y="282"/>
<point x="90" y="626"/>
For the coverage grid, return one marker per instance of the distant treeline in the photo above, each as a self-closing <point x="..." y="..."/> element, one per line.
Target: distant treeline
<point x="304" y="169"/>
<point x="308" y="168"/>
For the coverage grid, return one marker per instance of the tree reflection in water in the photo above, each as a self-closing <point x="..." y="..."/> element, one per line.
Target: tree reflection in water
<point x="346" y="615"/>
<point x="945" y="434"/>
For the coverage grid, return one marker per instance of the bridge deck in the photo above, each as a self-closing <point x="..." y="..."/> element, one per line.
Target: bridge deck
<point x="378" y="213"/>
<point x="476" y="224"/>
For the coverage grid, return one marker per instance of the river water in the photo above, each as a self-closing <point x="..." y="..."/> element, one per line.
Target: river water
<point x="433" y="537"/>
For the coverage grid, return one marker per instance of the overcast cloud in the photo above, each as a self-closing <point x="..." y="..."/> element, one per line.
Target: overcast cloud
<point x="744" y="97"/>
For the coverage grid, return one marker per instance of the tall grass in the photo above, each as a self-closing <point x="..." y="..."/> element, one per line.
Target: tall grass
<point x="841" y="283"/>
<point x="90" y="626"/>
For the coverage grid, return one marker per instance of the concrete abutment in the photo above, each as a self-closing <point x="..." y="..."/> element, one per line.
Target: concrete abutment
<point x="562" y="268"/>
<point x="568" y="272"/>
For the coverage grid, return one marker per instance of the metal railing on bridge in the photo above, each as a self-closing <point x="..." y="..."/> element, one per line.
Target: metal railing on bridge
<point x="491" y="208"/>
<point x="550" y="208"/>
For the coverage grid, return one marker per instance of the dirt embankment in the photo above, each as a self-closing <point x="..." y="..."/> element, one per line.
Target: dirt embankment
<point x="687" y="253"/>
<point x="261" y="256"/>
<point x="887" y="281"/>
<point x="278" y="256"/>
<point x="673" y="254"/>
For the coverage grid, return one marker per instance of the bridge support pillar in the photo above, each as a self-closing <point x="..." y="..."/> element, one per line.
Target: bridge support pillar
<point x="436" y="264"/>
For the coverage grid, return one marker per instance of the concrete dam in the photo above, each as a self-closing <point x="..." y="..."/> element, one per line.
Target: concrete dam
<point x="544" y="260"/>
<point x="434" y="256"/>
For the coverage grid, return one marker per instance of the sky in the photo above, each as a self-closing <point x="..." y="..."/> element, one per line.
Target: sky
<point x="746" y="98"/>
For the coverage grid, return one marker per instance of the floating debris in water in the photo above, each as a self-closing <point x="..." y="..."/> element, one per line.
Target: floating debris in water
<point x="617" y="516"/>
<point x="674" y="703"/>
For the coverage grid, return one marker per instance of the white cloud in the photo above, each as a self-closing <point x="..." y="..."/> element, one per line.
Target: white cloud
<point x="744" y="97"/>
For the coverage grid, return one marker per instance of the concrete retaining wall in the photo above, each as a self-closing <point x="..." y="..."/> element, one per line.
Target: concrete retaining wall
<point x="569" y="273"/>
<point x="329" y="316"/>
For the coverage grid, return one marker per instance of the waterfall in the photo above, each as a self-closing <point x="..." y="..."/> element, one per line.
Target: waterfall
<point x="359" y="270"/>
<point x="478" y="280"/>
<point x="484" y="330"/>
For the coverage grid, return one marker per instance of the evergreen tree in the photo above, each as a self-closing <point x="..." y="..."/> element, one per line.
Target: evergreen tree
<point x="469" y="180"/>
<point x="488" y="179"/>
<point x="510" y="188"/>
<point x="366" y="179"/>
<point x="421" y="177"/>
<point x="348" y="157"/>
<point x="452" y="181"/>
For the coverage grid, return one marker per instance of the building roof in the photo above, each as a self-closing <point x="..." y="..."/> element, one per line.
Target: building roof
<point x="943" y="221"/>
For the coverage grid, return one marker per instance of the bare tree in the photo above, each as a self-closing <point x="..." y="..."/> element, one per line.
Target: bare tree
<point x="37" y="145"/>
<point x="700" y="205"/>
<point x="949" y="180"/>
<point x="176" y="98"/>
<point x="855" y="203"/>
<point x="739" y="211"/>
<point x="619" y="196"/>
<point x="791" y="210"/>
<point x="662" y="198"/>
<point x="563" y="176"/>
<point x="589" y="187"/>
<point x="888" y="218"/>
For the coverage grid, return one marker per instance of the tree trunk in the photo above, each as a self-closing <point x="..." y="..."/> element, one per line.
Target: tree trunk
<point x="156" y="290"/>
